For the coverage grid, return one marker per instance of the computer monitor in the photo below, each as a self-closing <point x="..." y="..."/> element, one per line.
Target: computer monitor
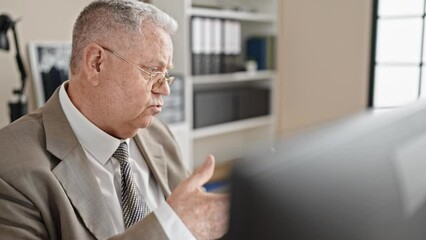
<point x="362" y="178"/>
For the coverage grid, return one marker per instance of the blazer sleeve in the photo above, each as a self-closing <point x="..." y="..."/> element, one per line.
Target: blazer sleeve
<point x="19" y="218"/>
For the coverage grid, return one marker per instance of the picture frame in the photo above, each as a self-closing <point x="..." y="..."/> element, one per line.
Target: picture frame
<point x="49" y="63"/>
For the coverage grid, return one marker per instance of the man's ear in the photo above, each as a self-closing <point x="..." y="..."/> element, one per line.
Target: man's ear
<point x="93" y="57"/>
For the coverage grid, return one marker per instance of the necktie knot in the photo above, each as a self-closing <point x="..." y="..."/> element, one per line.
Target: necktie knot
<point x="122" y="152"/>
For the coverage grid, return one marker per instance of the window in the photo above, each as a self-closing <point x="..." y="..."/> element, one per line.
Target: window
<point x="398" y="74"/>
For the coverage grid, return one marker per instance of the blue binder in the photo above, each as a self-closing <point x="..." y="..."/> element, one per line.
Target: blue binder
<point x="257" y="50"/>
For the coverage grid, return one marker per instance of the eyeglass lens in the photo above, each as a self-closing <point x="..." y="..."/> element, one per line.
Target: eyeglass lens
<point x="159" y="78"/>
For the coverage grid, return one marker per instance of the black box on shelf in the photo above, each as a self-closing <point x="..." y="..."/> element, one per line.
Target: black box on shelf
<point x="252" y="102"/>
<point x="213" y="107"/>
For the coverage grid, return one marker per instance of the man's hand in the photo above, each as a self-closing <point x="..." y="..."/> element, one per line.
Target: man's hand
<point x="205" y="214"/>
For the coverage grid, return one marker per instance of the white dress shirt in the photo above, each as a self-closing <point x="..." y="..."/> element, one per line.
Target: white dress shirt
<point x="99" y="148"/>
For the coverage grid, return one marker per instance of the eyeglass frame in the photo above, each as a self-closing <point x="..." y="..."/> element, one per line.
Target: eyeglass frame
<point x="158" y="83"/>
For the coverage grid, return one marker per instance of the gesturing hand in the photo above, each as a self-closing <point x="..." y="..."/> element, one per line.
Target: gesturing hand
<point x="205" y="214"/>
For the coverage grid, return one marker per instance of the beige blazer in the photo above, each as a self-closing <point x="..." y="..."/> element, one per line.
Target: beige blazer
<point x="47" y="188"/>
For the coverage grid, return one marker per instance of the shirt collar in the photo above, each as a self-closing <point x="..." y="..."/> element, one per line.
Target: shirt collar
<point x="97" y="142"/>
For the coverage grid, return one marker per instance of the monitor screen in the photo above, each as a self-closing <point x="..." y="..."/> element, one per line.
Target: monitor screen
<point x="362" y="178"/>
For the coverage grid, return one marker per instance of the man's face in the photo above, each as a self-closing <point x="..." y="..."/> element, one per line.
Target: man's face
<point x="129" y="101"/>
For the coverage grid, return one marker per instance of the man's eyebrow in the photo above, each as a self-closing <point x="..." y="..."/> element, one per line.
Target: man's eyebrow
<point x="155" y="64"/>
<point x="160" y="66"/>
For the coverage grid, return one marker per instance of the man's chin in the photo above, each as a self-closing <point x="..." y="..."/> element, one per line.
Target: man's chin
<point x="147" y="122"/>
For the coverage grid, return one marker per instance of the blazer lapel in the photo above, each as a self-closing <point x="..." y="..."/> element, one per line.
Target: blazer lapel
<point x="74" y="172"/>
<point x="154" y="157"/>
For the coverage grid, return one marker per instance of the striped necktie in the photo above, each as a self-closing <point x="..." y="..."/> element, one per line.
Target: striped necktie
<point x="133" y="204"/>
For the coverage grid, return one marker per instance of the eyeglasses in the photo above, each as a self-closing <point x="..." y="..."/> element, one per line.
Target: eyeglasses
<point x="156" y="78"/>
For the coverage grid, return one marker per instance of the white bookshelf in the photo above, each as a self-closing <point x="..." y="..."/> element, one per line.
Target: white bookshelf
<point x="226" y="141"/>
<point x="233" y="77"/>
<point x="231" y="127"/>
<point x="230" y="14"/>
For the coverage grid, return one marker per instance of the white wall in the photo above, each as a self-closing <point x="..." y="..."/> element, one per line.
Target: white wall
<point x="41" y="20"/>
<point x="323" y="61"/>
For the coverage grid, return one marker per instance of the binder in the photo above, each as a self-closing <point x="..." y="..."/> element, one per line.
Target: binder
<point x="229" y="47"/>
<point x="256" y="49"/>
<point x="207" y="46"/>
<point x="262" y="50"/>
<point x="196" y="45"/>
<point x="236" y="44"/>
<point x="217" y="25"/>
<point x="215" y="45"/>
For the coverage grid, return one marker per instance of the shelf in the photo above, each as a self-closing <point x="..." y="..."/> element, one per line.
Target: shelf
<point x="233" y="77"/>
<point x="232" y="127"/>
<point x="229" y="14"/>
<point x="256" y="18"/>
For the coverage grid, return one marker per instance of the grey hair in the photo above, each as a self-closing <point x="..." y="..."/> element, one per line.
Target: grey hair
<point x="105" y="19"/>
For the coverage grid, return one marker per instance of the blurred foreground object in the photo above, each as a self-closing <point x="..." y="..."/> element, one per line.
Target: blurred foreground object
<point x="361" y="178"/>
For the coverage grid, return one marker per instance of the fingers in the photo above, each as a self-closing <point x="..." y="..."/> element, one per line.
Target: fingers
<point x="205" y="214"/>
<point x="202" y="174"/>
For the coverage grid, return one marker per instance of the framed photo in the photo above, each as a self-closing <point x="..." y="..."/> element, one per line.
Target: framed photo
<point x="49" y="63"/>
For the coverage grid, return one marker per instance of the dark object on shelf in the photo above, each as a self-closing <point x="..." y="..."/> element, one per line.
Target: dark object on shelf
<point x="225" y="105"/>
<point x="262" y="50"/>
<point x="197" y="63"/>
<point x="252" y="102"/>
<point x="17" y="108"/>
<point x="228" y="63"/>
<point x="213" y="107"/>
